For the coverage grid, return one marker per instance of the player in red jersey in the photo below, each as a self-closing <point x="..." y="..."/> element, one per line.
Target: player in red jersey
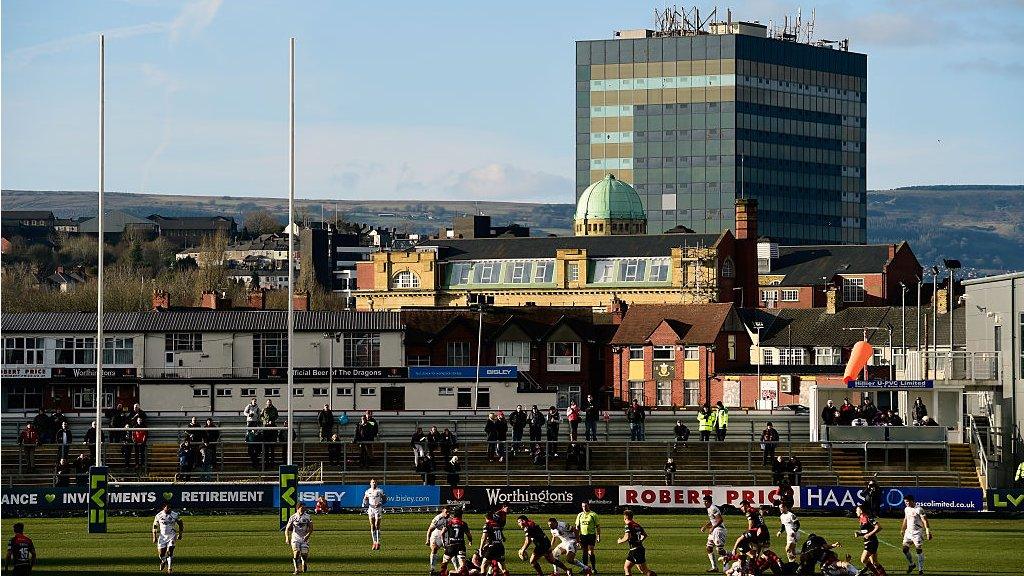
<point x="21" y="553"/>
<point x="541" y="546"/>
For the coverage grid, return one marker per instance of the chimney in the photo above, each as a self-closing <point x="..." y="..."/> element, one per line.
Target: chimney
<point x="300" y="301"/>
<point x="833" y="302"/>
<point x="942" y="294"/>
<point x="161" y="300"/>
<point x="258" y="299"/>
<point x="746" y="218"/>
<point x="214" y="300"/>
<point x="617" y="308"/>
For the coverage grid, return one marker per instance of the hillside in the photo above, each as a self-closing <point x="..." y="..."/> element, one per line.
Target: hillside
<point x="983" y="226"/>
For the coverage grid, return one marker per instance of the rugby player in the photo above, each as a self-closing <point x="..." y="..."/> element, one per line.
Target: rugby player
<point x="535" y="535"/>
<point x="21" y="553"/>
<point x="164" y="524"/>
<point x="435" y="535"/>
<point x="456" y="534"/>
<point x="868" y="531"/>
<point x="589" y="529"/>
<point x="567" y="545"/>
<point x="373" y="501"/>
<point x="816" y="549"/>
<point x="789" y="525"/>
<point x="715" y="527"/>
<point x="296" y="533"/>
<point x="914" y="520"/>
<point x="492" y="543"/>
<point x="634" y="536"/>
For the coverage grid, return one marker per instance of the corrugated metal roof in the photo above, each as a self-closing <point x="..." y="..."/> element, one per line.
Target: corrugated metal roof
<point x="202" y="321"/>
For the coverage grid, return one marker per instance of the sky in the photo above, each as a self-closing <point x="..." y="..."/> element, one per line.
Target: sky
<point x="447" y="100"/>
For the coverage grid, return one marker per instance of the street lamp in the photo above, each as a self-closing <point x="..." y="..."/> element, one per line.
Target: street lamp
<point x="479" y="303"/>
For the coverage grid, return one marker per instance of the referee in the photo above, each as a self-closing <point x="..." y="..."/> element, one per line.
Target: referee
<point x="590" y="534"/>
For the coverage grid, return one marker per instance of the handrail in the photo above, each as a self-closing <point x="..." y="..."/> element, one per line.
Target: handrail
<point x="982" y="454"/>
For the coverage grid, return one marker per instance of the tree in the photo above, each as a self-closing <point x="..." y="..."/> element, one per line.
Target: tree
<point x="261" y="222"/>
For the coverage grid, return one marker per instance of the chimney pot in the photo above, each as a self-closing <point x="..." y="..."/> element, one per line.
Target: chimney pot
<point x="300" y="301"/>
<point x="833" y="301"/>
<point x="746" y="218"/>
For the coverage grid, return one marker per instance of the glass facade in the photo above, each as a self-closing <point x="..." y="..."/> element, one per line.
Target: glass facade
<point x="692" y="122"/>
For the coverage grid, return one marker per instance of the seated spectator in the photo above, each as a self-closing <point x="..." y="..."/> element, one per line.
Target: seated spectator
<point x="81" y="465"/>
<point x="434" y="439"/>
<point x="186" y="461"/>
<point x="847" y="412"/>
<point x="90" y="434"/>
<point x="575" y="456"/>
<point x="252" y="444"/>
<point x="895" y="420"/>
<point x="334" y="450"/>
<point x="796" y="469"/>
<point x="452" y="469"/>
<point x="539" y="455"/>
<point x="449" y="443"/>
<point x="322" y="507"/>
<point x="682" y="434"/>
<point x="670" y="472"/>
<point x="928" y="421"/>
<point x="780" y="469"/>
<point x="62" y="473"/>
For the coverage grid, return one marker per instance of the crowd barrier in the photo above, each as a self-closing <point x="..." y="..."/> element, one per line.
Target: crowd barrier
<point x="253" y="496"/>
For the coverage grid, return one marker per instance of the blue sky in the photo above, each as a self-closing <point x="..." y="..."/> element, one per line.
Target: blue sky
<point x="441" y="100"/>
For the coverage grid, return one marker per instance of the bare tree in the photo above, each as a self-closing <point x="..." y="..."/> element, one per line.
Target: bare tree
<point x="261" y="222"/>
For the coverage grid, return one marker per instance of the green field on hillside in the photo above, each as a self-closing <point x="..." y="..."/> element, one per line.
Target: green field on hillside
<point x="341" y="545"/>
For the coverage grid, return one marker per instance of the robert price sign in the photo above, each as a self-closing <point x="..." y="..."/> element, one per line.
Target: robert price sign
<point x="692" y="496"/>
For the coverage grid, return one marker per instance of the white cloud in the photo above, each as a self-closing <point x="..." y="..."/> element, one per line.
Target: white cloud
<point x="194" y="18"/>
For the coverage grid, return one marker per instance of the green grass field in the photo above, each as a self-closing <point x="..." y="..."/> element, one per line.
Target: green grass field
<point x="341" y="545"/>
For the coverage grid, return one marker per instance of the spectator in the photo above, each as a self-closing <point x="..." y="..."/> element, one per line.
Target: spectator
<point x="846" y="412"/>
<point x="428" y="469"/>
<point x="137" y="415"/>
<point x="433" y="441"/>
<point x="59" y="419"/>
<point x="140" y="438"/>
<point x="269" y="439"/>
<point x="517" y="420"/>
<point x="64" y="440"/>
<point x="572" y="414"/>
<point x="253" y="414"/>
<point x="29" y="440"/>
<point x="419" y="446"/>
<point x="253" y="447"/>
<point x="536" y="423"/>
<point x="117" y="419"/>
<point x="62" y="473"/>
<point x="192" y="432"/>
<point x="186" y="461"/>
<point x="829" y="414"/>
<point x="868" y="410"/>
<point x="591" y="414"/>
<point x="928" y="421"/>
<point x="721" y="421"/>
<point x="127" y="446"/>
<point x="919" y="411"/>
<point x="873" y="497"/>
<point x="334" y="449"/>
<point x="881" y="418"/>
<point x="269" y="415"/>
<point x="212" y="436"/>
<point x="540" y="457"/>
<point x="704" y="423"/>
<point x="43" y="425"/>
<point x="374" y="426"/>
<point x="491" y="434"/>
<point x="780" y="469"/>
<point x="682" y="434"/>
<point x="325" y="422"/>
<point x="205" y="459"/>
<point x="449" y="443"/>
<point x="554" y="419"/>
<point x="670" y="472"/>
<point x="769" y="439"/>
<point x="502" y="426"/>
<point x="363" y="436"/>
<point x="90" y="434"/>
<point x="322" y="507"/>
<point x="634" y="416"/>
<point x="81" y="465"/>
<point x="858" y="418"/>
<point x="452" y="469"/>
<point x="575" y="456"/>
<point x="796" y="470"/>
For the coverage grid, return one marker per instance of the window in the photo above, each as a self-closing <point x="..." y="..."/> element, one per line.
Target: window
<point x="487" y="272"/>
<point x="75" y="351"/>
<point x="633" y="270"/>
<point x="731" y="344"/>
<point x="362" y="348"/>
<point x="564" y="356"/>
<point x="574" y="272"/>
<point x="636" y="391"/>
<point x="272" y="392"/>
<point x="183" y="342"/>
<point x="407" y="279"/>
<point x="458" y="354"/>
<point x="514" y="353"/>
<point x="692" y="353"/>
<point x="728" y="268"/>
<point x="691" y="392"/>
<point x="769" y="297"/>
<point x="668" y="201"/>
<point x="118" y="350"/>
<point x="664" y="394"/>
<point x="247" y="393"/>
<point x="343" y="391"/>
<point x="270" y="350"/>
<point x="853" y="289"/>
<point x="791" y="356"/>
<point x="367" y="391"/>
<point x="86" y="400"/>
<point x="483" y="398"/>
<point x="225" y="392"/>
<point x="664" y="353"/>
<point x="543" y="272"/>
<point x="520" y="272"/>
<point x="636" y="352"/>
<point x="418" y="360"/>
<point x="23" y="351"/>
<point x="298" y="392"/>
<point x="446" y="391"/>
<point x="201" y="392"/>
<point x="769" y="357"/>
<point x="464" y="399"/>
<point x="790" y="295"/>
<point x="460" y="273"/>
<point x="826" y="356"/>
<point x="659" y="270"/>
<point x="604" y="271"/>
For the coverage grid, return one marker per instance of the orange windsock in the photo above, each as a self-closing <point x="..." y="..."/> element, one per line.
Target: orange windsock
<point x="859" y="357"/>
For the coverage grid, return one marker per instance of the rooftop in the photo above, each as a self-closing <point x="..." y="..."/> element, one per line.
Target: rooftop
<point x="636" y="246"/>
<point x="816" y="327"/>
<point x="811" y="265"/>
<point x="693" y="323"/>
<point x="201" y="321"/>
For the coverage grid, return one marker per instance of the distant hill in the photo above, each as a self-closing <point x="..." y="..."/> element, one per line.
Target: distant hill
<point x="981" y="225"/>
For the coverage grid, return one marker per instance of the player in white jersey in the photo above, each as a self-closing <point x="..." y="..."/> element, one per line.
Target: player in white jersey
<point x="435" y="536"/>
<point x="715" y="527"/>
<point x="297" y="532"/>
<point x="373" y="501"/>
<point x="915" y="532"/>
<point x="167" y="529"/>
<point x="790" y="525"/>
<point x="565" y="535"/>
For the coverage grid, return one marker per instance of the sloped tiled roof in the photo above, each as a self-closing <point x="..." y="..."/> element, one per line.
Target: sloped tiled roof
<point x="807" y="265"/>
<point x="192" y="222"/>
<point x="696" y="323"/>
<point x="816" y="327"/>
<point x="201" y="321"/>
<point x="547" y="247"/>
<point x="423" y="325"/>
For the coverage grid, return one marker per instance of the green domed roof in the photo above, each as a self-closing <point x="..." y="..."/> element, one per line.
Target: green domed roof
<point x="609" y="198"/>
